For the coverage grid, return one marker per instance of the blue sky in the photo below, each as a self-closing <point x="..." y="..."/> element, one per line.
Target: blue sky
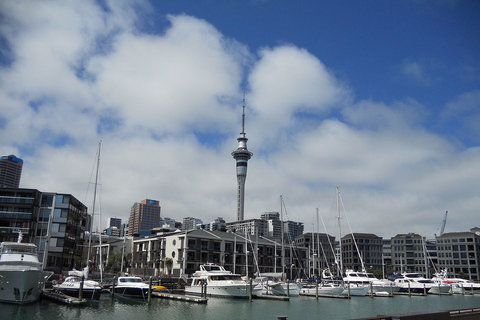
<point x="380" y="98"/>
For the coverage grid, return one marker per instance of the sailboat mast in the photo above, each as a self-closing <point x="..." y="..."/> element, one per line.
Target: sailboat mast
<point x="93" y="207"/>
<point x="339" y="231"/>
<point x="281" y="223"/>
<point x="318" y="245"/>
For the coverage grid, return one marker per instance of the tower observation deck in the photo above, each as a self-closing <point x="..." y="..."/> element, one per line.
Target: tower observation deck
<point x="241" y="155"/>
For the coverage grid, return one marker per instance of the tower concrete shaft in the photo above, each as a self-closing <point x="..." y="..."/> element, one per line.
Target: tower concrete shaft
<point x="241" y="155"/>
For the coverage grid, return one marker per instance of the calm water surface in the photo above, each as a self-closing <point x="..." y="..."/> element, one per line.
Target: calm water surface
<point x="217" y="308"/>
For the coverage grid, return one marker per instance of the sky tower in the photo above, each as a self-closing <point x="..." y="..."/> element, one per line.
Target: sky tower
<point x="241" y="155"/>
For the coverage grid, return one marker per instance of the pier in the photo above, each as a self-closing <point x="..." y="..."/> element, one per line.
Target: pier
<point x="181" y="297"/>
<point x="460" y="314"/>
<point x="62" y="298"/>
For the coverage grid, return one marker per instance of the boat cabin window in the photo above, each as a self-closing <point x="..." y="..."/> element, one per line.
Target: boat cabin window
<point x="19" y="249"/>
<point x="225" y="277"/>
<point x="136" y="280"/>
<point x="212" y="268"/>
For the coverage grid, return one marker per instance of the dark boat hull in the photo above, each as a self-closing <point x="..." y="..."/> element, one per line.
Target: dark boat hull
<point x="131" y="292"/>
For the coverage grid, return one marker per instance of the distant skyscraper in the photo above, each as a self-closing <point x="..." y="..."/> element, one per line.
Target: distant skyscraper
<point x="10" y="171"/>
<point x="241" y="155"/>
<point x="144" y="216"/>
<point x="116" y="222"/>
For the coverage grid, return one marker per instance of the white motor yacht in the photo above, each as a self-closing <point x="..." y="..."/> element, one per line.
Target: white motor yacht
<point x="433" y="288"/>
<point x="22" y="278"/>
<point x="219" y="282"/>
<point x="458" y="285"/>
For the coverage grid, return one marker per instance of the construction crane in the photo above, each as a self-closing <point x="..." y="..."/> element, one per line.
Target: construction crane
<point x="442" y="229"/>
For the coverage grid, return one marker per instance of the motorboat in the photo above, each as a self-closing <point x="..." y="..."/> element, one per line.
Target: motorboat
<point x="457" y="285"/>
<point x="131" y="286"/>
<point x="220" y="283"/>
<point x="77" y="282"/>
<point x="410" y="286"/>
<point x="433" y="288"/>
<point x="22" y="277"/>
<point x="356" y="283"/>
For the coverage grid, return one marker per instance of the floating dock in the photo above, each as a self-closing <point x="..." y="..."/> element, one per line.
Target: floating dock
<point x="466" y="314"/>
<point x="181" y="297"/>
<point x="62" y="298"/>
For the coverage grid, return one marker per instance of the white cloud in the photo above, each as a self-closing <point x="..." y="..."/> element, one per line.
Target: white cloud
<point x="417" y="71"/>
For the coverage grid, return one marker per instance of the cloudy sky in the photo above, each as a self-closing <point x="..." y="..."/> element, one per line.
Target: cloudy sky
<point x="379" y="98"/>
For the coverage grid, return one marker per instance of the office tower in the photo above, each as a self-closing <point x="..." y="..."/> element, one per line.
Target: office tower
<point x="10" y="171"/>
<point x="144" y="216"/>
<point x="116" y="222"/>
<point x="241" y="155"/>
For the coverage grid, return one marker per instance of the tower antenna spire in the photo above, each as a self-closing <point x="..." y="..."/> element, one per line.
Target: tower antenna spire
<point x="243" y="113"/>
<point x="241" y="156"/>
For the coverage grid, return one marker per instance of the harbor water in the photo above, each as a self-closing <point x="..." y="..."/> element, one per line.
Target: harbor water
<point x="233" y="309"/>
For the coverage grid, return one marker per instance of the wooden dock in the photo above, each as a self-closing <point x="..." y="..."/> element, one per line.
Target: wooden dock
<point x="62" y="298"/>
<point x="181" y="297"/>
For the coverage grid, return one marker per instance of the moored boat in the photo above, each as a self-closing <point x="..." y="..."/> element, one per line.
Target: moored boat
<point x="272" y="284"/>
<point x="324" y="289"/>
<point x="22" y="277"/>
<point x="219" y="282"/>
<point x="131" y="286"/>
<point x="457" y="285"/>
<point x="433" y="288"/>
<point x="76" y="284"/>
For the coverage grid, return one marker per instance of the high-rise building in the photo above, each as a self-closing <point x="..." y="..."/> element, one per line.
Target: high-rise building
<point x="144" y="216"/>
<point x="241" y="155"/>
<point x="116" y="222"/>
<point x="10" y="171"/>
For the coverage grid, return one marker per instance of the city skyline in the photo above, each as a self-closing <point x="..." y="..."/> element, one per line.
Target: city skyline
<point x="379" y="98"/>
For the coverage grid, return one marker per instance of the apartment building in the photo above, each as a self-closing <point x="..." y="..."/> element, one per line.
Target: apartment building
<point x="459" y="252"/>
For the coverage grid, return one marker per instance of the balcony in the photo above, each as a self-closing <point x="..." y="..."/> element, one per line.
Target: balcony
<point x="21" y="200"/>
<point x="14" y="230"/>
<point x="15" y="215"/>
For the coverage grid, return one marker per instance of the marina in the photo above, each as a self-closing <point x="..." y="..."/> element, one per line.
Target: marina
<point x="242" y="309"/>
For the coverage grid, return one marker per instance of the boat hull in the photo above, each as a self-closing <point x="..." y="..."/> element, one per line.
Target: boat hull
<point x="22" y="286"/>
<point x="89" y="294"/>
<point x="233" y="291"/>
<point x="71" y="287"/>
<point x="353" y="290"/>
<point x="327" y="291"/>
<point x="131" y="292"/>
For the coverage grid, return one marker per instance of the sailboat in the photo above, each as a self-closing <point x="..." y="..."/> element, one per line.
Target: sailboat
<point x="76" y="283"/>
<point x="328" y="285"/>
<point x="351" y="288"/>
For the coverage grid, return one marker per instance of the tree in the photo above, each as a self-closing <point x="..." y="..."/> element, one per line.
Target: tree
<point x="169" y="264"/>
